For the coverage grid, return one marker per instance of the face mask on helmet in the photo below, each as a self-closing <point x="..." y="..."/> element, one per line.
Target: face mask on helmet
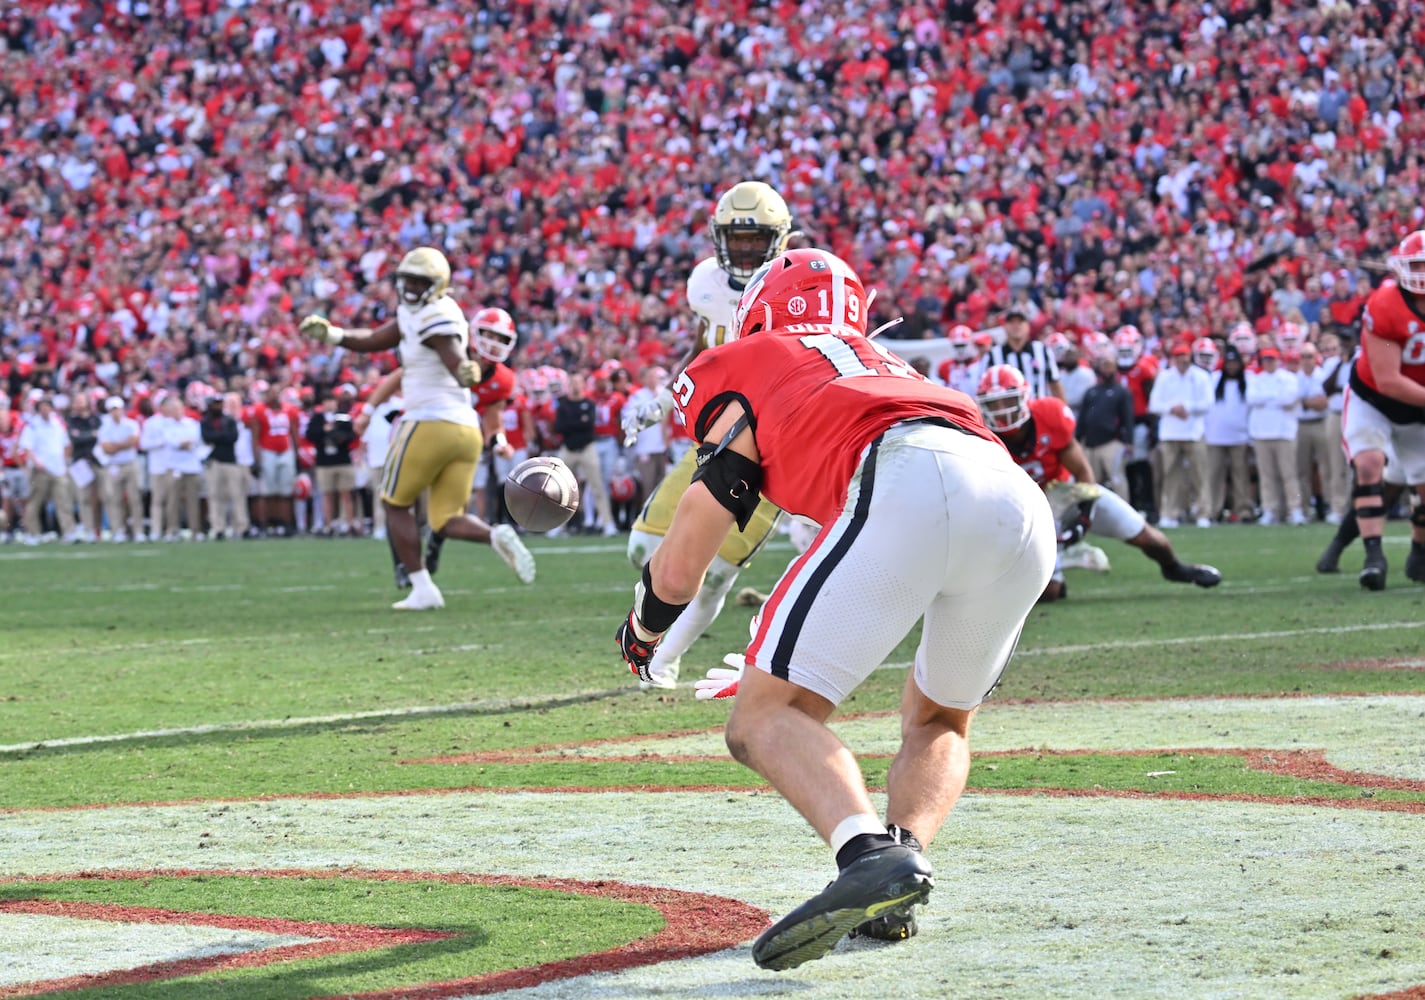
<point x="1204" y="354"/>
<point x="749" y="226"/>
<point x="962" y="343"/>
<point x="802" y="287"/>
<point x="492" y="334"/>
<point x="413" y="289"/>
<point x="422" y="276"/>
<point x="1127" y="346"/>
<point x="1003" y="396"/>
<point x="1407" y="263"/>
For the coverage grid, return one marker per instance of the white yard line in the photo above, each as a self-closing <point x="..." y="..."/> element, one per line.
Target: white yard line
<point x="296" y="723"/>
<point x="420" y="710"/>
<point x="1189" y="640"/>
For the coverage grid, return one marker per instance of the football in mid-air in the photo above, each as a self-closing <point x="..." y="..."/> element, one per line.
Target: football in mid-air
<point x="541" y="493"/>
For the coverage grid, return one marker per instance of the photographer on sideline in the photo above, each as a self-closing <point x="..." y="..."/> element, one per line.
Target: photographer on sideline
<point x="331" y="431"/>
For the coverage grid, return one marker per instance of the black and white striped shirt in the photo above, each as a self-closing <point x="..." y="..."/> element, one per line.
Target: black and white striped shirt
<point x="1034" y="362"/>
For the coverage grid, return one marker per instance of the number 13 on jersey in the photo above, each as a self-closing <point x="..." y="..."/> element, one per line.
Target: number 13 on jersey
<point x="852" y="356"/>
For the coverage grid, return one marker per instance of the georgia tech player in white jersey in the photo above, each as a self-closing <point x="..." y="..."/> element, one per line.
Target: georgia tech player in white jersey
<point x="750" y="226"/>
<point x="437" y="444"/>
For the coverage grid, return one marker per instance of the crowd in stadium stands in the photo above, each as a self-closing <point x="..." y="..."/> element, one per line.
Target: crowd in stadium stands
<point x="182" y="179"/>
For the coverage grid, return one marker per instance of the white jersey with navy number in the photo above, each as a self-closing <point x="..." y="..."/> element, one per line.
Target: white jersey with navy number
<point x="430" y="390"/>
<point x="713" y="297"/>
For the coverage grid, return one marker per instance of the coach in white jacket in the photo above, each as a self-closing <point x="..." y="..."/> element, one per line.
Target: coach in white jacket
<point x="1181" y="397"/>
<point x="1272" y="396"/>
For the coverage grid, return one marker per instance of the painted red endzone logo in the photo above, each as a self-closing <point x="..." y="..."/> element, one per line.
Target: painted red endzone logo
<point x="695" y="924"/>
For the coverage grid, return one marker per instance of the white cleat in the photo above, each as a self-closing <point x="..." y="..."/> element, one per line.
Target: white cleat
<point x="665" y="679"/>
<point x="425" y="600"/>
<point x="507" y="546"/>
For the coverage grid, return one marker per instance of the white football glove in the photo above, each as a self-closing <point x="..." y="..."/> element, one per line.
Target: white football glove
<point x="645" y="415"/>
<point x="321" y="328"/>
<point x="721" y="682"/>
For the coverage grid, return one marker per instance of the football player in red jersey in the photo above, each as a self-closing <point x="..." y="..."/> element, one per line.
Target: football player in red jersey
<point x="1039" y="433"/>
<point x="1385" y="407"/>
<point x="961" y="370"/>
<point x="802" y="407"/>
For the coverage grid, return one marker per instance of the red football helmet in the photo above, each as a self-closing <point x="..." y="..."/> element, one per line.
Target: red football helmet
<point x="302" y="487"/>
<point x="1003" y="396"/>
<point x="962" y="343"/>
<point x="492" y="334"/>
<point x="801" y="286"/>
<point x="1244" y="338"/>
<point x="623" y="488"/>
<point x="1290" y="336"/>
<point x="1204" y="353"/>
<point x="1407" y="263"/>
<point x="1059" y="345"/>
<point x="1127" y="346"/>
<point x="1096" y="345"/>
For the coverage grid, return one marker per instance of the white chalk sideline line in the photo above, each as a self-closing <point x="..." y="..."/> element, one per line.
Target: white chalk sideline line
<point x="498" y="703"/>
<point x="298" y="722"/>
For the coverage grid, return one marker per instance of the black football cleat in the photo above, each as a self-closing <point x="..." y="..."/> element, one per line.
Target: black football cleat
<point x="403" y="579"/>
<point x="899" y="923"/>
<point x="434" y="541"/>
<point x="1373" y="572"/>
<point x="1415" y="563"/>
<point x="1198" y="573"/>
<point x="1330" y="561"/>
<point x="874" y="885"/>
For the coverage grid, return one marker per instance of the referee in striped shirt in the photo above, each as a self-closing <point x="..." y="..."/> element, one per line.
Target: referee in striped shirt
<point x="1031" y="357"/>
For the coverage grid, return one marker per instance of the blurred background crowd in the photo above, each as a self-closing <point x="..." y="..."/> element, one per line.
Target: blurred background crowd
<point x="183" y="179"/>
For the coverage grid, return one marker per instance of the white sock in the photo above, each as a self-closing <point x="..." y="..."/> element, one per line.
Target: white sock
<point x="420" y="580"/>
<point x="854" y="826"/>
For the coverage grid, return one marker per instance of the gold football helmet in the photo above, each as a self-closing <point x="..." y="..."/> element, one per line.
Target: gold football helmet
<point x="422" y="276"/>
<point x="750" y="226"/>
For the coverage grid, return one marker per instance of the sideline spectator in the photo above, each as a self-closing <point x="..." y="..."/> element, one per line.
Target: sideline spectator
<point x="1105" y="426"/>
<point x="650" y="448"/>
<point x="1312" y="443"/>
<point x="1272" y="396"/>
<point x="121" y="481"/>
<point x="45" y="444"/>
<point x="83" y="424"/>
<point x="1227" y="439"/>
<point x="227" y="480"/>
<point x="575" y="418"/>
<point x="331" y="432"/>
<point x="1180" y="399"/>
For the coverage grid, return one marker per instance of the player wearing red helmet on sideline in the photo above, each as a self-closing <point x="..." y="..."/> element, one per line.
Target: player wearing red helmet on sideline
<point x="924" y="516"/>
<point x="1206" y="355"/>
<point x="1136" y="370"/>
<point x="1385" y="407"/>
<point x="1039" y="434"/>
<point x="961" y="369"/>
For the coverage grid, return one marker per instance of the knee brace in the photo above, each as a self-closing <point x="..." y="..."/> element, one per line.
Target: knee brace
<point x="1373" y="492"/>
<point x="1417" y="516"/>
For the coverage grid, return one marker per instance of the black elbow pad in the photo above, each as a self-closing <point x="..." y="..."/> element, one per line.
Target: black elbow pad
<point x="734" y="480"/>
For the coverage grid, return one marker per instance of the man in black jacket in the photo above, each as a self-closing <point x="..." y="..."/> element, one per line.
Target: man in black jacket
<point x="574" y="418"/>
<point x="227" y="480"/>
<point x="83" y="424"/>
<point x="1105" y="426"/>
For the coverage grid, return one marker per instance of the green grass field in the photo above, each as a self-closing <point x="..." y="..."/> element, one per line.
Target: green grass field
<point x="1249" y="761"/>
